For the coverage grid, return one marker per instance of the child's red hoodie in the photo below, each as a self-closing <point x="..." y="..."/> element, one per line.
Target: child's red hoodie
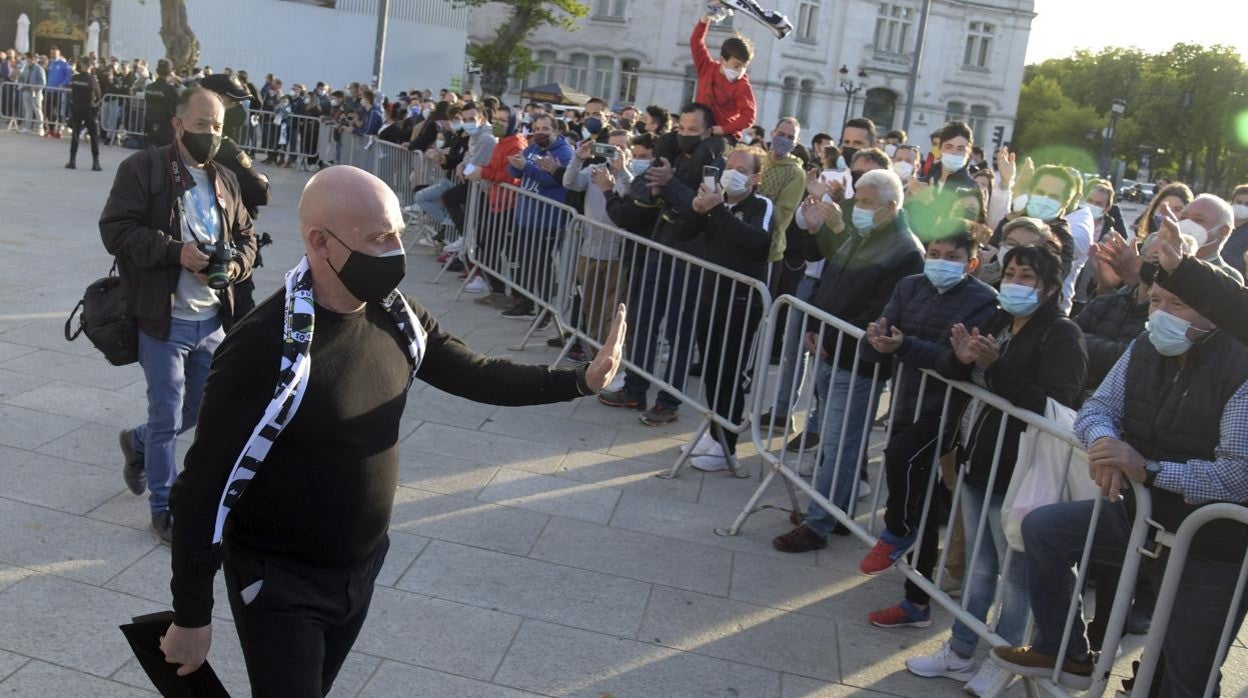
<point x="731" y="103"/>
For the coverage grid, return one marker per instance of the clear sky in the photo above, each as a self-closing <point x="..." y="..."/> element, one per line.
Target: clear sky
<point x="1062" y="26"/>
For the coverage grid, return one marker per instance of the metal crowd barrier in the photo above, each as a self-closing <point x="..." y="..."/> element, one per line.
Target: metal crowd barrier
<point x="679" y="306"/>
<point x="1180" y="546"/>
<point x="289" y="138"/>
<point x="39" y="110"/>
<point x="122" y="116"/>
<point x="839" y="338"/>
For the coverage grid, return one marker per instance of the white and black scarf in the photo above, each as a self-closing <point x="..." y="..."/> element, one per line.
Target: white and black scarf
<point x="298" y="320"/>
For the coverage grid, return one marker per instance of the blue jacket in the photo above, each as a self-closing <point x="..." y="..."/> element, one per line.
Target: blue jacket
<point x="531" y="215"/>
<point x="373" y="121"/>
<point x="925" y="317"/>
<point x="59" y="73"/>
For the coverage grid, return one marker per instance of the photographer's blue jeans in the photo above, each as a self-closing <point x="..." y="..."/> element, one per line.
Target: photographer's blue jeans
<point x="839" y="398"/>
<point x="175" y="370"/>
<point x="429" y="200"/>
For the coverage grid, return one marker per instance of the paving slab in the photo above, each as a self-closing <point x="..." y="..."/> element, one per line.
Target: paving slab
<point x="43" y="679"/>
<point x="580" y="436"/>
<point x="395" y="679"/>
<point x="93" y="371"/>
<point x="493" y="449"/>
<point x="54" y="542"/>
<point x="551" y="495"/>
<point x="55" y="483"/>
<point x="742" y="633"/>
<point x="436" y="634"/>
<point x="442" y="474"/>
<point x="560" y="661"/>
<point x="529" y="588"/>
<point x="10" y="663"/>
<point x="466" y="521"/>
<point x="87" y="404"/>
<point x="673" y="563"/>
<point x="14" y="383"/>
<point x="628" y="475"/>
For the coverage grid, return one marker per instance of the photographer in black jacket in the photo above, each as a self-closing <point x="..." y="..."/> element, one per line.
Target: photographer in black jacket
<point x="168" y="209"/>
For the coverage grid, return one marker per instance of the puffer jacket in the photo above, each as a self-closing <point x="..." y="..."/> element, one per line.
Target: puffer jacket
<point x="1110" y="323"/>
<point x="925" y="316"/>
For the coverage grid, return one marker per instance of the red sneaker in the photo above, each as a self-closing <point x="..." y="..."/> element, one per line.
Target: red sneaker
<point x="903" y="615"/>
<point x="887" y="551"/>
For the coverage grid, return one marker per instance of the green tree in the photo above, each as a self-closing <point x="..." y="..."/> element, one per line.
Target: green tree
<point x="505" y="56"/>
<point x="1049" y="118"/>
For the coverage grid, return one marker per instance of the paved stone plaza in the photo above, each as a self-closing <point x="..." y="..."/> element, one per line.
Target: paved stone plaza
<point x="533" y="550"/>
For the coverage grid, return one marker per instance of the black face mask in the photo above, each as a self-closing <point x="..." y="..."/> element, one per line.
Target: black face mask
<point x="202" y="147"/>
<point x="368" y="278"/>
<point x="1148" y="272"/>
<point x="688" y="144"/>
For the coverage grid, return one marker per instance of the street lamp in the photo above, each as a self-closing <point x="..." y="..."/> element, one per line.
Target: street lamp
<point x="1116" y="110"/>
<point x="851" y="88"/>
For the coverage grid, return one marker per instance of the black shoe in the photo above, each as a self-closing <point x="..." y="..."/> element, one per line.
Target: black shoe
<point x="162" y="526"/>
<point x="621" y="398"/>
<point x="557" y="342"/>
<point x="70" y="165"/>
<point x="455" y="264"/>
<point x="658" y="415"/>
<point x="695" y="369"/>
<point x="133" y="472"/>
<point x="809" y="441"/>
<point x="520" y="311"/>
<point x="95" y="166"/>
<point x="767" y="420"/>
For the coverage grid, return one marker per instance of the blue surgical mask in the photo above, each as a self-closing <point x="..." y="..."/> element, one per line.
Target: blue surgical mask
<point x="1097" y="212"/>
<point x="840" y="163"/>
<point x="1043" y="207"/>
<point x="781" y="145"/>
<point x="471" y="128"/>
<point x="637" y="167"/>
<point x="1168" y="334"/>
<point x="952" y="162"/>
<point x="943" y="273"/>
<point x="863" y="220"/>
<point x="1018" y="300"/>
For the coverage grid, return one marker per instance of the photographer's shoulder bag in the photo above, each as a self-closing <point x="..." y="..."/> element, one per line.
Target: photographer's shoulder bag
<point x="105" y="321"/>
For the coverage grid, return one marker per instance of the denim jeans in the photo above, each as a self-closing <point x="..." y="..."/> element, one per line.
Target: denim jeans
<point x="662" y="292"/>
<point x="832" y="384"/>
<point x="981" y="589"/>
<point x="794" y="361"/>
<point x="175" y="370"/>
<point x="1054" y="538"/>
<point x="429" y="200"/>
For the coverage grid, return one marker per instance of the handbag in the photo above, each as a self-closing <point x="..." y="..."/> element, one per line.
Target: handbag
<point x="105" y="320"/>
<point x="1041" y="476"/>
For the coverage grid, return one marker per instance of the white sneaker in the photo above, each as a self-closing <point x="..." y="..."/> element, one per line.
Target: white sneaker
<point x="944" y="662"/>
<point x="806" y="466"/>
<point x="864" y="489"/>
<point x="984" y="678"/>
<point x="617" y="383"/>
<point x="457" y="246"/>
<point x="710" y="463"/>
<point x="477" y="285"/>
<point x="706" y="445"/>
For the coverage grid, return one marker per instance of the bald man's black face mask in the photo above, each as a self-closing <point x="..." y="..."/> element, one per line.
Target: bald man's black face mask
<point x="371" y="279"/>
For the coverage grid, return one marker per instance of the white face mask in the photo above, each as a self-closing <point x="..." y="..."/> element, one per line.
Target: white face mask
<point x="904" y="170"/>
<point x="735" y="183"/>
<point x="1241" y="212"/>
<point x="1196" y="230"/>
<point x="1019" y="203"/>
<point x="890" y="149"/>
<point x="732" y="75"/>
<point x="747" y="139"/>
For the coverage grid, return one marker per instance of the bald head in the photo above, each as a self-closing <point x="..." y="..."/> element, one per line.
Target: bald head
<point x="352" y="203"/>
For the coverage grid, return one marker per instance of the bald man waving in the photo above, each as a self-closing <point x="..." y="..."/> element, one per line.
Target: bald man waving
<point x="290" y="481"/>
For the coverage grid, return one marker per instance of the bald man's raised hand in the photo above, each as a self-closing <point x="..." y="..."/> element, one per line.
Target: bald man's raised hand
<point x="602" y="369"/>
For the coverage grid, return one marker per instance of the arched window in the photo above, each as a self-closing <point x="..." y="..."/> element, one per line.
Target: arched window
<point x="803" y="101"/>
<point x="788" y="97"/>
<point x="880" y="107"/>
<point x="578" y="71"/>
<point x="630" y="70"/>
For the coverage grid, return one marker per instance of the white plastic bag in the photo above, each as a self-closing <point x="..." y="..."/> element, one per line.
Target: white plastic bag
<point x="1041" y="476"/>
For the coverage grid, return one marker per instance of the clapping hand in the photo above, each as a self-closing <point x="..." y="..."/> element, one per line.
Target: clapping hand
<point x="816" y="186"/>
<point x="516" y="161"/>
<point x="1122" y="259"/>
<point x="883" y="338"/>
<point x="1169" y="243"/>
<point x="1006" y="165"/>
<point x="972" y="347"/>
<point x="547" y="164"/>
<point x="659" y="174"/>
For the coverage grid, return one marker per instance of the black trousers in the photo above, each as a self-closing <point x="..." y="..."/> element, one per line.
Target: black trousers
<point x="455" y="201"/>
<point x="907" y="468"/>
<point x="89" y="121"/>
<point x="297" y="630"/>
<point x="726" y="326"/>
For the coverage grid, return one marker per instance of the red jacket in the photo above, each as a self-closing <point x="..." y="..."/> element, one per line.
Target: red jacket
<point x="731" y="103"/>
<point x="497" y="173"/>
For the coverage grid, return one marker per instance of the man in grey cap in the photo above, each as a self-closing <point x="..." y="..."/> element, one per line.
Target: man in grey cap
<point x="253" y="185"/>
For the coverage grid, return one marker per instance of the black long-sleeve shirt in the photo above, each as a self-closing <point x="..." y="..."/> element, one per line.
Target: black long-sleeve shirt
<point x="324" y="494"/>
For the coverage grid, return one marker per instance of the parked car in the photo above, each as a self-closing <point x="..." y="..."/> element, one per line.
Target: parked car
<point x="1126" y="188"/>
<point x="1147" y="191"/>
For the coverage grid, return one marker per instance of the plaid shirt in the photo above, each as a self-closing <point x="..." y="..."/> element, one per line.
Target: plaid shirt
<point x="1224" y="479"/>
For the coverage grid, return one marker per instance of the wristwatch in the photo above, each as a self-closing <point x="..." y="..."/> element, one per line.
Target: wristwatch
<point x="1152" y="469"/>
<point x="582" y="381"/>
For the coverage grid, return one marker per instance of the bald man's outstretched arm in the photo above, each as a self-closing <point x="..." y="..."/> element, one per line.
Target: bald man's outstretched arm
<point x="451" y="366"/>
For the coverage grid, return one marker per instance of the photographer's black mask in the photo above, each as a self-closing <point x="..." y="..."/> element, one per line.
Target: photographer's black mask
<point x="202" y="147"/>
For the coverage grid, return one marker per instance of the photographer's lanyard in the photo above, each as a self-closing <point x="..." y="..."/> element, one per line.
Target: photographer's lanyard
<point x="208" y="221"/>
